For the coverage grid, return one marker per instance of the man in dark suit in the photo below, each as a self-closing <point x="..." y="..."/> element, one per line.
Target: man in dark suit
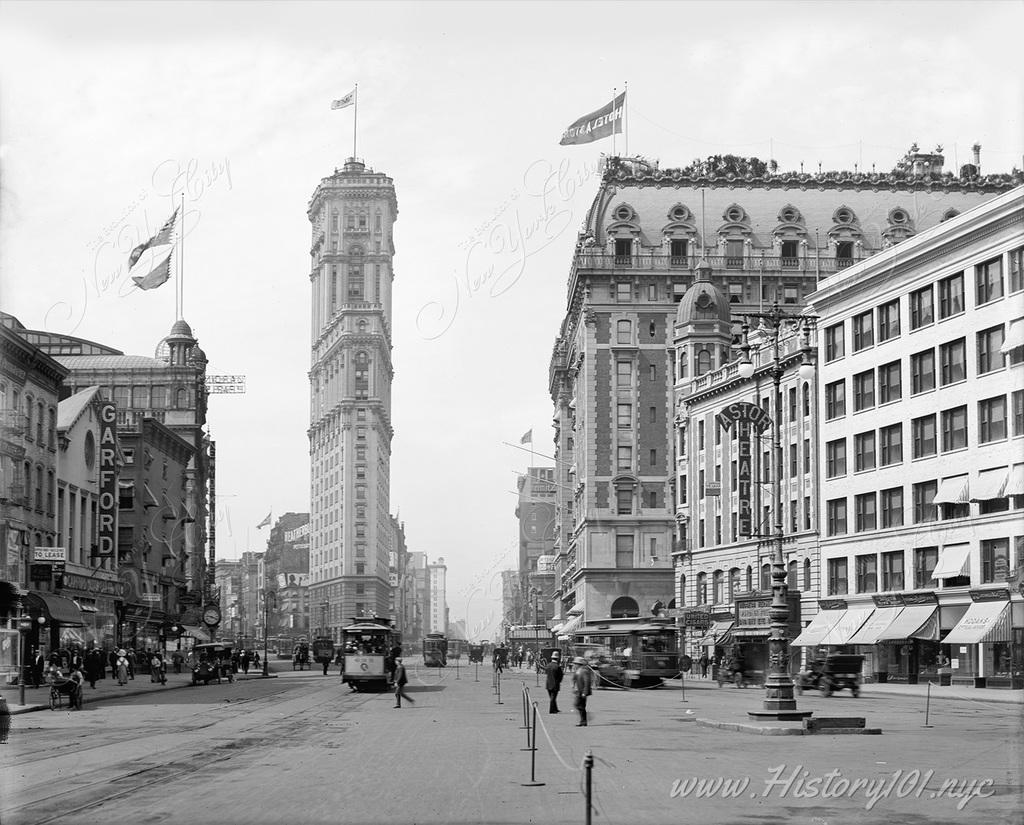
<point x="38" y="666"/>
<point x="553" y="682"/>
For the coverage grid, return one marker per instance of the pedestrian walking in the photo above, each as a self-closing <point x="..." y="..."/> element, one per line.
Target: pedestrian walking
<point x="121" y="667"/>
<point x="38" y="666"/>
<point x="553" y="682"/>
<point x="176" y="661"/>
<point x="704" y="661"/>
<point x="112" y="661"/>
<point x="255" y="658"/>
<point x="400" y="682"/>
<point x="78" y="681"/>
<point x="132" y="661"/>
<point x="93" y="666"/>
<point x="244" y="661"/>
<point x="582" y="685"/>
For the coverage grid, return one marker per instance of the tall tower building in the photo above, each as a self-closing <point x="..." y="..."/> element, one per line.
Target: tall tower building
<point x="352" y="213"/>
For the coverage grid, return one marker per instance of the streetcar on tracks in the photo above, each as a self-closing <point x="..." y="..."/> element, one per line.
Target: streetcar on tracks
<point x="457" y="648"/>
<point x="629" y="652"/>
<point x="435" y="650"/>
<point x="366" y="645"/>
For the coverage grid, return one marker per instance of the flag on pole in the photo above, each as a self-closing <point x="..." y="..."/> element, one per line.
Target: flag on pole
<point x="265" y="522"/>
<point x="161" y="238"/>
<point x="154" y="267"/>
<point x="527" y="437"/>
<point x="600" y="124"/>
<point x="342" y="102"/>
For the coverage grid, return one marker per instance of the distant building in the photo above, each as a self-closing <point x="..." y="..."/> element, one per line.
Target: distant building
<point x="438" y="615"/>
<point x="229" y="586"/>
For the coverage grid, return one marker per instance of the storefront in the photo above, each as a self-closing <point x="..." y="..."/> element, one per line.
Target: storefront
<point x="907" y="649"/>
<point x="983" y="647"/>
<point x="53" y="618"/>
<point x="752" y="628"/>
<point x="97" y="593"/>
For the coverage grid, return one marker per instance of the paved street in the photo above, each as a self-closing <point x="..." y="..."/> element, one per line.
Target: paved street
<point x="302" y="748"/>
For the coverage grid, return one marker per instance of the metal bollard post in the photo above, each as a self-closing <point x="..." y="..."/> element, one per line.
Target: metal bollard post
<point x="588" y="770"/>
<point x="533" y="783"/>
<point x="682" y="683"/>
<point x="476" y="671"/>
<point x="456" y="669"/>
<point x="526" y="706"/>
<point x="927" y="704"/>
<point x="499" y="690"/>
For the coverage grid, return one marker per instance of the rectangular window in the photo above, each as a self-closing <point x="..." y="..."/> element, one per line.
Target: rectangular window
<point x="989" y="280"/>
<point x="951" y="295"/>
<point x="790" y="294"/>
<point x="836" y="513"/>
<point x="889" y="321"/>
<point x="864" y="451"/>
<point x="1018" y="415"/>
<point x="623" y="291"/>
<point x="653" y="415"/>
<point x="954" y="429"/>
<point x="700" y="435"/>
<point x="922" y="371"/>
<point x="792" y="404"/>
<point x="925" y="559"/>
<point x="890" y="385"/>
<point x="892" y="507"/>
<point x="863" y="331"/>
<point x="989" y="356"/>
<point x="835" y="458"/>
<point x="923" y="433"/>
<point x="677" y="251"/>
<point x="863" y="390"/>
<point x="867" y="573"/>
<point x="126" y="495"/>
<point x="735" y="292"/>
<point x="654" y="457"/>
<point x="924" y="494"/>
<point x="922" y="308"/>
<point x="624" y="373"/>
<point x="624" y="502"/>
<point x="953" y="361"/>
<point x="890" y="445"/>
<point x="835" y="342"/>
<point x="1017" y="270"/>
<point x="995" y="560"/>
<point x="623" y="551"/>
<point x="865" y="517"/>
<point x="623" y="332"/>
<point x="892" y="570"/>
<point x="837" y="577"/>
<point x="793" y="462"/>
<point x="625" y="416"/>
<point x="835" y="399"/>
<point x="625" y="455"/>
<point x="992" y="419"/>
<point x="807" y="516"/>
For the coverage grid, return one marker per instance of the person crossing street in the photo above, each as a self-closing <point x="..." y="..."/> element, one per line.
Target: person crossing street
<point x="400" y="682"/>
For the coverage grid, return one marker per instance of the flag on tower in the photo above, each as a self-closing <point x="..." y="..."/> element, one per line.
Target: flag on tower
<point x="154" y="267"/>
<point x="161" y="238"/>
<point x="527" y="437"/>
<point x="342" y="102"/>
<point x="600" y="124"/>
<point x="265" y="522"/>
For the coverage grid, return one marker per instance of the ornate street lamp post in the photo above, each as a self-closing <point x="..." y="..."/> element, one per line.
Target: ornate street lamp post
<point x="779" y="701"/>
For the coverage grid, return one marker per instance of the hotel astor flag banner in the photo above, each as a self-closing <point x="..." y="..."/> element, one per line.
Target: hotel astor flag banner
<point x="600" y="124"/>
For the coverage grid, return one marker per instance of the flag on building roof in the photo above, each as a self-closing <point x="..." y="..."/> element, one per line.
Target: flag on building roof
<point x="527" y="437"/>
<point x="342" y="102"/>
<point x="265" y="522"/>
<point x="599" y="124"/>
<point x="161" y="238"/>
<point x="153" y="267"/>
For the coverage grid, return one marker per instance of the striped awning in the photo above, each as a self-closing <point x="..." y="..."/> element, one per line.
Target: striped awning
<point x="918" y="621"/>
<point x="849" y="623"/>
<point x="569" y="627"/>
<point x="983" y="622"/>
<point x="715" y="633"/>
<point x="877" y="622"/>
<point x="198" y="633"/>
<point x="1014" y="336"/>
<point x="953" y="562"/>
<point x="56" y="608"/>
<point x="953" y="490"/>
<point x="816" y="630"/>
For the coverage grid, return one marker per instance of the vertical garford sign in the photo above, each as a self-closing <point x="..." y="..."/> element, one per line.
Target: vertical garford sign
<point x="106" y="537"/>
<point x="746" y="417"/>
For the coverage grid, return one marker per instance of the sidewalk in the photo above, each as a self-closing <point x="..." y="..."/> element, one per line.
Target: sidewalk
<point x="106" y="690"/>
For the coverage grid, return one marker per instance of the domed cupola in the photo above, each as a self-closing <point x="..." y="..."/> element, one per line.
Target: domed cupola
<point x="703" y="330"/>
<point x="179" y="343"/>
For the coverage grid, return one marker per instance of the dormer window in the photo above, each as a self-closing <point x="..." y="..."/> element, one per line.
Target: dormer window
<point x="789" y="214"/>
<point x="898" y="217"/>
<point x="790" y="254"/>
<point x="678" y="251"/>
<point x="623" y="212"/>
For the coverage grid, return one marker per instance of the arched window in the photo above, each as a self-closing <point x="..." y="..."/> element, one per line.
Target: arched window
<point x="807" y="574"/>
<point x="702" y="588"/>
<point x="734" y="583"/>
<point x="703" y="362"/>
<point x="791" y="575"/>
<point x="717" y="582"/>
<point x="625" y="608"/>
<point x="181" y="399"/>
<point x="766" y="577"/>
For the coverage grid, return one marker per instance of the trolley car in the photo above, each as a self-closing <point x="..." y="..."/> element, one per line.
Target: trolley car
<point x="456" y="648"/>
<point x="435" y="650"/>
<point x="366" y="644"/>
<point x="630" y="652"/>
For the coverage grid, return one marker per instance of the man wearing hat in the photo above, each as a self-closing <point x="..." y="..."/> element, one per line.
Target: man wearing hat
<point x="553" y="683"/>
<point x="582" y="684"/>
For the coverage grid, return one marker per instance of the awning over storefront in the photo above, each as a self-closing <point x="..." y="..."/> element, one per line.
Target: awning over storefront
<point x="715" y="633"/>
<point x="569" y="627"/>
<point x="952" y="562"/>
<point x="55" y="608"/>
<point x="849" y="623"/>
<point x="918" y="621"/>
<point x="953" y="491"/>
<point x="991" y="484"/>
<point x="197" y="633"/>
<point x="819" y="626"/>
<point x="875" y="625"/>
<point x="983" y="622"/>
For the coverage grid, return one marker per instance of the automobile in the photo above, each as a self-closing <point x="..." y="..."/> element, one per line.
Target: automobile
<point x="214" y="662"/>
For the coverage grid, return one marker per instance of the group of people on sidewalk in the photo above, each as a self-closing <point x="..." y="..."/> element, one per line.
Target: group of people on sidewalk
<point x="582" y="685"/>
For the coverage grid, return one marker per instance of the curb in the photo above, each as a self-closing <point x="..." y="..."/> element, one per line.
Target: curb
<point x="761" y="730"/>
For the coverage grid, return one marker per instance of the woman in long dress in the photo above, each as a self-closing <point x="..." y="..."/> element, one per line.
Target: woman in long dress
<point x="121" y="666"/>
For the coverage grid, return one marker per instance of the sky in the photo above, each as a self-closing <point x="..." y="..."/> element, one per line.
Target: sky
<point x="106" y="109"/>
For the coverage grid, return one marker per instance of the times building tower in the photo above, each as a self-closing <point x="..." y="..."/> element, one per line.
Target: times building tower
<point x="352" y="214"/>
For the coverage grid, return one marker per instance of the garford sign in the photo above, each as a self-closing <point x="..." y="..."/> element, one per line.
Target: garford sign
<point x="107" y="517"/>
<point x="297" y="533"/>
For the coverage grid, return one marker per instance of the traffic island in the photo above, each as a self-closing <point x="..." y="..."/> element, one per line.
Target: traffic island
<point x="824" y="725"/>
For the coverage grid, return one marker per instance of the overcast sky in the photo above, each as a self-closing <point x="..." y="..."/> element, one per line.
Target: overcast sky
<point x="105" y="105"/>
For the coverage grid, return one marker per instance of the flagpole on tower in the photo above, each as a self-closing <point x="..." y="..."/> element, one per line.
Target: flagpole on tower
<point x="181" y="265"/>
<point x="625" y="119"/>
<point x="355" y="120"/>
<point x="615" y="90"/>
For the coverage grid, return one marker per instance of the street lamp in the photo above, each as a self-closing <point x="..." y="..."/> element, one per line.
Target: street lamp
<point x="779" y="701"/>
<point x="267" y="596"/>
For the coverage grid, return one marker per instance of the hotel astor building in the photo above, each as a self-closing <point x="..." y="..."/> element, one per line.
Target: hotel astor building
<point x="922" y="460"/>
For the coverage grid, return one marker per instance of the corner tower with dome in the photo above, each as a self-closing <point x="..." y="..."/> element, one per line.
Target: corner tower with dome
<point x="352" y="214"/>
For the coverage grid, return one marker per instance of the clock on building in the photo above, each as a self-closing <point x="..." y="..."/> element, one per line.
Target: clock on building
<point x="211" y="615"/>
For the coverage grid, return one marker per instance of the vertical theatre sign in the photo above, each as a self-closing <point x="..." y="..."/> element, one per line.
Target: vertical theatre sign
<point x="748" y="418"/>
<point x="107" y="529"/>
